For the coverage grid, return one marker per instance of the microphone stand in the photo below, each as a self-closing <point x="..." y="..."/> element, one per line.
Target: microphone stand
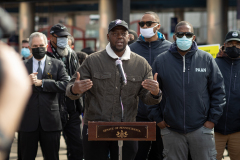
<point x="120" y="142"/>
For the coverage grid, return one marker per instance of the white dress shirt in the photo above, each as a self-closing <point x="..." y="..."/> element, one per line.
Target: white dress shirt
<point x="35" y="64"/>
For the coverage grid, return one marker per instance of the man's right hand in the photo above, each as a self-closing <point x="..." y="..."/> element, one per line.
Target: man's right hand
<point x="81" y="86"/>
<point x="33" y="77"/>
<point x="163" y="125"/>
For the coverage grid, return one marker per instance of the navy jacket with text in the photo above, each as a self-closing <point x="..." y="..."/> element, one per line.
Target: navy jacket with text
<point x="230" y="120"/>
<point x="193" y="89"/>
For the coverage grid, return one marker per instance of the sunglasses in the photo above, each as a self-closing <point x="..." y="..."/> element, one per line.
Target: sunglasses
<point x="148" y="23"/>
<point x="181" y="34"/>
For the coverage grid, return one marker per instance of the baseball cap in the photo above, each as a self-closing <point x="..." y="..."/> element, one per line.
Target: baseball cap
<point x="59" y="30"/>
<point x="117" y="22"/>
<point x="232" y="36"/>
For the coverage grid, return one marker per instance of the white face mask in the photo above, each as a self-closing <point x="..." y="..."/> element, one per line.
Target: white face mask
<point x="147" y="32"/>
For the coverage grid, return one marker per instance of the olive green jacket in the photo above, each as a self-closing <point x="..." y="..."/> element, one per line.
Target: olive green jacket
<point x="102" y="102"/>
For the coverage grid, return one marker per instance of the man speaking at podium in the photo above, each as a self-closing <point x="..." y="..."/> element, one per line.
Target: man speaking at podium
<point x="108" y="93"/>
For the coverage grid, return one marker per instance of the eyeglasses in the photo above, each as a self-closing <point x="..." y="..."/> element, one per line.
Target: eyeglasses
<point x="148" y="23"/>
<point x="181" y="34"/>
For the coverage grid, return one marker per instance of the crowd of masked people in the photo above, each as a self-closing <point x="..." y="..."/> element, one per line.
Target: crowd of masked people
<point x="193" y="98"/>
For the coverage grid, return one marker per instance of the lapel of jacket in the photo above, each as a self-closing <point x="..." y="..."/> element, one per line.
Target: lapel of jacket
<point x="47" y="67"/>
<point x="29" y="66"/>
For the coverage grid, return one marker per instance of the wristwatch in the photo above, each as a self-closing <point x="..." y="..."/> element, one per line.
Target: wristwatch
<point x="158" y="95"/>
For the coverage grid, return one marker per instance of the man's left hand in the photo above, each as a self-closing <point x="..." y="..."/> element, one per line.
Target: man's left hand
<point x="152" y="85"/>
<point x="209" y="124"/>
<point x="38" y="83"/>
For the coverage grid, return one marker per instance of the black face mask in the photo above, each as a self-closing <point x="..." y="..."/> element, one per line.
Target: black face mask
<point x="232" y="52"/>
<point x="38" y="53"/>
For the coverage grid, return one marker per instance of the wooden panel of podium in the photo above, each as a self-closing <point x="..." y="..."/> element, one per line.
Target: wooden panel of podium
<point x="121" y="131"/>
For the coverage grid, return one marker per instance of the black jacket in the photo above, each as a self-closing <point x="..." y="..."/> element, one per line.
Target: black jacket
<point x="71" y="64"/>
<point x="149" y="50"/>
<point x="230" y="120"/>
<point x="192" y="87"/>
<point x="43" y="105"/>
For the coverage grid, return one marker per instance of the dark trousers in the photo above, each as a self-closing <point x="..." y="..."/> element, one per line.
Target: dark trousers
<point x="99" y="150"/>
<point x="49" y="142"/>
<point x="150" y="150"/>
<point x="72" y="135"/>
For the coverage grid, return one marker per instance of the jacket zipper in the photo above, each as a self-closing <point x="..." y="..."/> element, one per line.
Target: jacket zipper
<point x="228" y="98"/>
<point x="150" y="61"/>
<point x="235" y="77"/>
<point x="188" y="73"/>
<point x="184" y="127"/>
<point x="184" y="63"/>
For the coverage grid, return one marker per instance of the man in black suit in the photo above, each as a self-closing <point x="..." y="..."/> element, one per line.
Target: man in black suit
<point x="41" y="121"/>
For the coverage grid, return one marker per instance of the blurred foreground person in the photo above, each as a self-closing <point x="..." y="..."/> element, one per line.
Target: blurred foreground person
<point x="99" y="78"/>
<point x="15" y="87"/>
<point x="227" y="131"/>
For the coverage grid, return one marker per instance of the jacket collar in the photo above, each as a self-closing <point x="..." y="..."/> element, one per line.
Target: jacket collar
<point x="230" y="61"/>
<point x="174" y="51"/>
<point x="111" y="53"/>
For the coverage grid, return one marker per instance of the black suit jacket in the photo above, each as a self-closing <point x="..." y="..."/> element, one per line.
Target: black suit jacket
<point x="43" y="105"/>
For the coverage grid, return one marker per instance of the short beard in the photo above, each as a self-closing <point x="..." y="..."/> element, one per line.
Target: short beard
<point x="62" y="52"/>
<point x="117" y="50"/>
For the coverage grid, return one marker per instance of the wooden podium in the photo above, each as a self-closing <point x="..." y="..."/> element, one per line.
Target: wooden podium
<point x="121" y="131"/>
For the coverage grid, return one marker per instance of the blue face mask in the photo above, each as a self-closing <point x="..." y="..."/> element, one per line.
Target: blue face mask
<point x="25" y="52"/>
<point x="62" y="42"/>
<point x="184" y="43"/>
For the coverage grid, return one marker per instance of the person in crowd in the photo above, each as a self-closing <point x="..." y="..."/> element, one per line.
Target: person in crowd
<point x="227" y="131"/>
<point x="149" y="45"/>
<point x="87" y="50"/>
<point x="99" y="78"/>
<point x="81" y="56"/>
<point x="25" y="52"/>
<point x="132" y="36"/>
<point x="58" y="48"/>
<point x="41" y="121"/>
<point x="193" y="96"/>
<point x="71" y="41"/>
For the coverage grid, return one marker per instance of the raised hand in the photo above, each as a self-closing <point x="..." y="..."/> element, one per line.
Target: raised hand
<point x="81" y="86"/>
<point x="151" y="85"/>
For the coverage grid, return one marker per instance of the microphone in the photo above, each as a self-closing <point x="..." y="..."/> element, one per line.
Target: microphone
<point x="121" y="71"/>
